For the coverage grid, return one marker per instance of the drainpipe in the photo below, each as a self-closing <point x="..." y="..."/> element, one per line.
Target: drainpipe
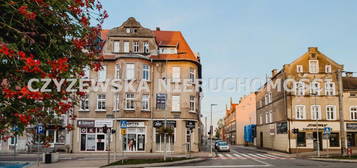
<point x="286" y="112"/>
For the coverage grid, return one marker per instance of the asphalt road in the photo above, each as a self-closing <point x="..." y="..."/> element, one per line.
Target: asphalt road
<point x="241" y="157"/>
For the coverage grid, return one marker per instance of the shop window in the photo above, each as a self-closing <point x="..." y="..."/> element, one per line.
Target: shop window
<point x="301" y="139"/>
<point x="351" y="139"/>
<point x="334" y="140"/>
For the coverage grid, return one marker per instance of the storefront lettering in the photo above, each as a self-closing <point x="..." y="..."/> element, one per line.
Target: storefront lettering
<point x="85" y="123"/>
<point x="351" y="126"/>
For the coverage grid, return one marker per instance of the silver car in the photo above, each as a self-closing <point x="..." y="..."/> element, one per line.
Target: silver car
<point x="223" y="147"/>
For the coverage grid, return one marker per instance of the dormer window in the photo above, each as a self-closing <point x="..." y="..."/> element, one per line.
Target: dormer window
<point x="299" y="69"/>
<point x="314" y="66"/>
<point x="328" y="69"/>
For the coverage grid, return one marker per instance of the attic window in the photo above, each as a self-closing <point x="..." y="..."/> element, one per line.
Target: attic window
<point x="313" y="55"/>
<point x="299" y="69"/>
<point x="128" y="30"/>
<point x="328" y="69"/>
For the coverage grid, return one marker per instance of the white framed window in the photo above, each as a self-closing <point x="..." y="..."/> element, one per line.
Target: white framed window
<point x="266" y="99"/>
<point x="192" y="104"/>
<point x="315" y="88"/>
<point x="128" y="30"/>
<point x="270" y="96"/>
<point x="266" y="117"/>
<point x="145" y="102"/>
<point x="260" y="119"/>
<point x="300" y="112"/>
<point x="299" y="69"/>
<point x="270" y="116"/>
<point x="126" y="46"/>
<point x="146" y="47"/>
<point x="116" y="46"/>
<point x="136" y="46"/>
<point x="353" y="111"/>
<point x="330" y="89"/>
<point x="129" y="101"/>
<point x="102" y="74"/>
<point x="146" y="72"/>
<point x="192" y="75"/>
<point x="117" y="71"/>
<point x="331" y="112"/>
<point x="176" y="74"/>
<point x="86" y="72"/>
<point x="116" y="103"/>
<point x="300" y="88"/>
<point x="328" y="69"/>
<point x="175" y="103"/>
<point x="316" y="112"/>
<point x="314" y="66"/>
<point x="84" y="103"/>
<point x="101" y="102"/>
<point x="130" y="71"/>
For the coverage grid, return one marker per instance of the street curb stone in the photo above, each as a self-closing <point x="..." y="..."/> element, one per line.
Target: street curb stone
<point x="160" y="164"/>
<point x="333" y="160"/>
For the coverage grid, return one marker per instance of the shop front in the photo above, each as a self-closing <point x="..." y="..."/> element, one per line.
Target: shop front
<point x="351" y="129"/>
<point x="134" y="139"/>
<point x="159" y="132"/>
<point x="92" y="136"/>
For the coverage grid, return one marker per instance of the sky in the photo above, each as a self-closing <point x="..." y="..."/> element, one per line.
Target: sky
<point x="247" y="39"/>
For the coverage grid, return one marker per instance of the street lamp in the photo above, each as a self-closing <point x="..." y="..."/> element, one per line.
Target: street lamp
<point x="211" y="128"/>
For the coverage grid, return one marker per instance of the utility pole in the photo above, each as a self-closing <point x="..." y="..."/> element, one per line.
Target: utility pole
<point x="342" y="118"/>
<point x="211" y="129"/>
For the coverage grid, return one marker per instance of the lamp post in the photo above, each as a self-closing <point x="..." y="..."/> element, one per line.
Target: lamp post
<point x="211" y="129"/>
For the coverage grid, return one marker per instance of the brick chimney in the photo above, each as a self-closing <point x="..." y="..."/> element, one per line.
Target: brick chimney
<point x="312" y="49"/>
<point x="157" y="28"/>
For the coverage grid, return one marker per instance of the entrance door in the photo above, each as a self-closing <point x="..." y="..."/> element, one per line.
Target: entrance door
<point x="315" y="141"/>
<point x="131" y="142"/>
<point x="141" y="142"/>
<point x="90" y="142"/>
<point x="261" y="140"/>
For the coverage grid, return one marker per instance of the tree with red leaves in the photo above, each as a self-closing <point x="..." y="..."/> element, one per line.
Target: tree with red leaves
<point x="44" y="39"/>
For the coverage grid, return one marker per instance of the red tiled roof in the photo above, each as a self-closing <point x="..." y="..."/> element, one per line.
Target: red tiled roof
<point x="103" y="34"/>
<point x="174" y="38"/>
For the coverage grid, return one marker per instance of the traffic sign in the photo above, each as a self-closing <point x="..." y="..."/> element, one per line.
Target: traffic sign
<point x="123" y="131"/>
<point x="40" y="129"/>
<point x="327" y="130"/>
<point x="123" y="124"/>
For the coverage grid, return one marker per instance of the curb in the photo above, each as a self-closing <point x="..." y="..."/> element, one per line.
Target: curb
<point x="161" y="164"/>
<point x="333" y="160"/>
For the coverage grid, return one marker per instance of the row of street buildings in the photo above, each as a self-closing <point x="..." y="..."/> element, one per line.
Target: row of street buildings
<point x="140" y="119"/>
<point x="294" y="116"/>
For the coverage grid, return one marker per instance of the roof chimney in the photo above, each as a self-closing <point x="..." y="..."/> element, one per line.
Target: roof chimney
<point x="274" y="72"/>
<point x="312" y="49"/>
<point x="349" y="74"/>
<point x="157" y="28"/>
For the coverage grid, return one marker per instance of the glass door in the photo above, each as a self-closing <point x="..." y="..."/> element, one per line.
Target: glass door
<point x="141" y="142"/>
<point x="90" y="142"/>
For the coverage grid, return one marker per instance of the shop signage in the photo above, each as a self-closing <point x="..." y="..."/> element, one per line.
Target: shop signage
<point x="123" y="124"/>
<point x="351" y="126"/>
<point x="327" y="130"/>
<point x="282" y="128"/>
<point x="40" y="129"/>
<point x="85" y="123"/>
<point x="160" y="123"/>
<point x="123" y="131"/>
<point x="102" y="123"/>
<point x="190" y="124"/>
<point x="272" y="129"/>
<point x="312" y="127"/>
<point x="135" y="124"/>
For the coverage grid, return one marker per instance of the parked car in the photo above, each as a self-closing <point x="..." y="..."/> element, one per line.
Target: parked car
<point x="223" y="147"/>
<point x="216" y="143"/>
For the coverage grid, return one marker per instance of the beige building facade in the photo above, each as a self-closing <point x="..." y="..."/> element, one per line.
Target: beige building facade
<point x="156" y="88"/>
<point x="309" y="104"/>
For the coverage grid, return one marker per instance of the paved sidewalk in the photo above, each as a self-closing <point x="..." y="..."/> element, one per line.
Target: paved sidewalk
<point x="94" y="160"/>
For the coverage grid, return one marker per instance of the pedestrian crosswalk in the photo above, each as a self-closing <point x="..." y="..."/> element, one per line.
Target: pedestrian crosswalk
<point x="244" y="156"/>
